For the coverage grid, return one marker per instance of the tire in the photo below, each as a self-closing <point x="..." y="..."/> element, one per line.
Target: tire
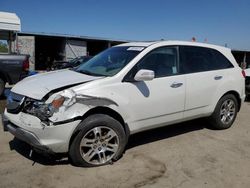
<point x="100" y="141"/>
<point x="2" y="87"/>
<point x="225" y="112"/>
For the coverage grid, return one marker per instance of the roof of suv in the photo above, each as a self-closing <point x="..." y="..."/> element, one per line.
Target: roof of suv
<point x="146" y="44"/>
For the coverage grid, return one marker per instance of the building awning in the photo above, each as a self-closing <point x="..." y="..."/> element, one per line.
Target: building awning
<point x="9" y="22"/>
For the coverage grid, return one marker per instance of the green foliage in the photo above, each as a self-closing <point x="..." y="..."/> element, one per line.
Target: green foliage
<point x="3" y="47"/>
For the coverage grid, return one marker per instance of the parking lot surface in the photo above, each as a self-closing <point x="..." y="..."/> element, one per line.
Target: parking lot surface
<point x="183" y="155"/>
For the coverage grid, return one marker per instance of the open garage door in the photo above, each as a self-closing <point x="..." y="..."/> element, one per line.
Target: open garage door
<point x="94" y="47"/>
<point x="48" y="49"/>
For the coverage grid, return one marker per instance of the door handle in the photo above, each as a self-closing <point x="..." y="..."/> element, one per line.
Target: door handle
<point x="218" y="77"/>
<point x="176" y="84"/>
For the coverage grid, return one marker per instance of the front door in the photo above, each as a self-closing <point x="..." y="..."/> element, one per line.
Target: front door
<point x="160" y="101"/>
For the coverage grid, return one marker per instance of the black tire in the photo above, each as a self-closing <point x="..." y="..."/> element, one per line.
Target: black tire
<point x="216" y="118"/>
<point x="86" y="126"/>
<point x="2" y="86"/>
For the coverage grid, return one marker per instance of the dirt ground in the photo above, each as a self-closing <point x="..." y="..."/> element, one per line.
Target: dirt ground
<point x="183" y="155"/>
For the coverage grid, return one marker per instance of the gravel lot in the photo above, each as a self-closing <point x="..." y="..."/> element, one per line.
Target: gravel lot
<point x="183" y="155"/>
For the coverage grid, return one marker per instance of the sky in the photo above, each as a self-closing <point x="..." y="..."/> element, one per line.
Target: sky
<point x="222" y="22"/>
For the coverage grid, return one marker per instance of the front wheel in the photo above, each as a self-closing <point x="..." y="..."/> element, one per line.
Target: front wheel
<point x="225" y="112"/>
<point x="100" y="140"/>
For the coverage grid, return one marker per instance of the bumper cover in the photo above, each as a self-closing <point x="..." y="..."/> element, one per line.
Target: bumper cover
<point x="26" y="137"/>
<point x="55" y="138"/>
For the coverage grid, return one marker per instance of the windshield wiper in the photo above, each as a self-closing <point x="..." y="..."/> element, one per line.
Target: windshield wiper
<point x="89" y="73"/>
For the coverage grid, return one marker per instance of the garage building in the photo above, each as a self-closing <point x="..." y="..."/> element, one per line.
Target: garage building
<point x="44" y="48"/>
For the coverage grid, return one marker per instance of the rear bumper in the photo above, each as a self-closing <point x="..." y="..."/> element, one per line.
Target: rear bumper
<point x="24" y="75"/>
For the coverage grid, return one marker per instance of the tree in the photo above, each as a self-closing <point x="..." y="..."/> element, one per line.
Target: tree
<point x="3" y="47"/>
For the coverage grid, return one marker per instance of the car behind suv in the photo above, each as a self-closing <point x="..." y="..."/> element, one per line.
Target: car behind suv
<point x="247" y="83"/>
<point x="89" y="112"/>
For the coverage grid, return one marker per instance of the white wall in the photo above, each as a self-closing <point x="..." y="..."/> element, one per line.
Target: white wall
<point x="26" y="45"/>
<point x="75" y="48"/>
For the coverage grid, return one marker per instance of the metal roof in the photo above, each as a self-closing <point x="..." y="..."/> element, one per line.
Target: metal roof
<point x="71" y="36"/>
<point x="9" y="22"/>
<point x="82" y="37"/>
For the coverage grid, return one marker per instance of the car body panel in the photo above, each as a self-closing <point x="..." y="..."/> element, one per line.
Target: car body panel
<point x="39" y="85"/>
<point x="54" y="137"/>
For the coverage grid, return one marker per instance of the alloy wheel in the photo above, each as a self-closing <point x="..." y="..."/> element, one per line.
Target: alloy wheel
<point x="227" y="111"/>
<point x="99" y="145"/>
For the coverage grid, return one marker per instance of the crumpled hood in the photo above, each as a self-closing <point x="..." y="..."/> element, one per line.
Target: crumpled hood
<point x="39" y="85"/>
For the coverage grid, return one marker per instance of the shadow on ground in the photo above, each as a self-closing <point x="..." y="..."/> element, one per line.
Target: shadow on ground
<point x="44" y="159"/>
<point x="134" y="141"/>
<point x="166" y="132"/>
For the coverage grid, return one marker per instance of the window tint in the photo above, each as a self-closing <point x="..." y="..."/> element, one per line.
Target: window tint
<point x="220" y="61"/>
<point x="198" y="59"/>
<point x="163" y="61"/>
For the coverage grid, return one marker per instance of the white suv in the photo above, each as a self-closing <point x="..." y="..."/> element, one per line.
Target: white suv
<point x="89" y="112"/>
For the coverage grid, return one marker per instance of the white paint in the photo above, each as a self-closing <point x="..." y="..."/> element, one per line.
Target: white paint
<point x="39" y="85"/>
<point x="143" y="105"/>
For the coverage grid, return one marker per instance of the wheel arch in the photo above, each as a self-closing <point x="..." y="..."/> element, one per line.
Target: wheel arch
<point x="102" y="110"/>
<point x="237" y="96"/>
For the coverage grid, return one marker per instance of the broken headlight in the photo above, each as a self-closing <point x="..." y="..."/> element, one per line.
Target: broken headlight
<point x="41" y="109"/>
<point x="44" y="110"/>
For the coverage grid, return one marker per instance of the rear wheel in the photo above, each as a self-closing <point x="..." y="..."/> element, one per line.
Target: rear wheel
<point x="101" y="140"/>
<point x="225" y="112"/>
<point x="2" y="86"/>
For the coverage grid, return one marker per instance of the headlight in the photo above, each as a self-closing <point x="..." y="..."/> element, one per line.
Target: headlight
<point x="44" y="110"/>
<point x="41" y="109"/>
<point x="58" y="101"/>
<point x="38" y="108"/>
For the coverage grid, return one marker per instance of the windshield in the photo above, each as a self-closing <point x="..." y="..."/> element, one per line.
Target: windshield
<point x="110" y="61"/>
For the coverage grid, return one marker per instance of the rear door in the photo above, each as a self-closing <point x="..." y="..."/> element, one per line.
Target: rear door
<point x="206" y="70"/>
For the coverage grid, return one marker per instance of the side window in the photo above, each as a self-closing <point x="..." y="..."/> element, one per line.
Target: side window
<point x="199" y="59"/>
<point x="163" y="61"/>
<point x="195" y="59"/>
<point x="220" y="61"/>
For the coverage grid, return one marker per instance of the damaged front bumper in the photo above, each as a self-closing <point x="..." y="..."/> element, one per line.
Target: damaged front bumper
<point x="49" y="139"/>
<point x="28" y="138"/>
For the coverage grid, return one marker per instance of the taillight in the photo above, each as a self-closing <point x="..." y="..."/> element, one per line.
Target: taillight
<point x="26" y="64"/>
<point x="243" y="73"/>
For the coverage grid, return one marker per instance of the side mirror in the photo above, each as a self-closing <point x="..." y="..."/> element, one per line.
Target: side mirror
<point x="144" y="75"/>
